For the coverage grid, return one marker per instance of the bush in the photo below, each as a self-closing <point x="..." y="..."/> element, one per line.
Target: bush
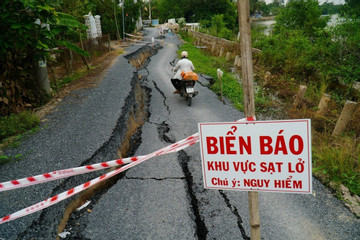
<point x="343" y="60"/>
<point x="303" y="15"/>
<point x="217" y="24"/>
<point x="226" y="33"/>
<point x="288" y="53"/>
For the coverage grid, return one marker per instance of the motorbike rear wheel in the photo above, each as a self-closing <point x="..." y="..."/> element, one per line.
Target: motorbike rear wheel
<point x="189" y="101"/>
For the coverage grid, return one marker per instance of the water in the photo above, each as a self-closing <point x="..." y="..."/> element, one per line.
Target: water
<point x="267" y="25"/>
<point x="334" y="20"/>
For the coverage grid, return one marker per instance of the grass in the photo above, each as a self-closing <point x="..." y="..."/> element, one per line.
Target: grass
<point x="12" y="129"/>
<point x="207" y="64"/>
<point x="336" y="160"/>
<point x="7" y="159"/>
<point x="62" y="82"/>
<point x="17" y="124"/>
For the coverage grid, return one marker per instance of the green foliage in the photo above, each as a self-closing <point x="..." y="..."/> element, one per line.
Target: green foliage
<point x="289" y="53"/>
<point x="132" y="13"/>
<point x="217" y="24"/>
<point x="217" y="27"/>
<point x="343" y="52"/>
<point x="106" y="9"/>
<point x="195" y="10"/>
<point x="227" y="34"/>
<point x="207" y="64"/>
<point x="258" y="36"/>
<point x="7" y="159"/>
<point x="182" y="22"/>
<point x="310" y="53"/>
<point x="261" y="7"/>
<point x="303" y="49"/>
<point x="330" y="8"/>
<point x="169" y="9"/>
<point x="60" y="83"/>
<point x="66" y="20"/>
<point x="31" y="29"/>
<point x="352" y="8"/>
<point x="74" y="48"/>
<point x="301" y="15"/>
<point x="20" y="34"/>
<point x="232" y="89"/>
<point x="274" y="8"/>
<point x="17" y="124"/>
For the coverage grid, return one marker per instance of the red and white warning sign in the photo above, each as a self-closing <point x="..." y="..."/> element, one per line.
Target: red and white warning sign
<point x="272" y="156"/>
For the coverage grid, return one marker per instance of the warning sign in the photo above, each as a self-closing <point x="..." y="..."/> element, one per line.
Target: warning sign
<point x="272" y="156"/>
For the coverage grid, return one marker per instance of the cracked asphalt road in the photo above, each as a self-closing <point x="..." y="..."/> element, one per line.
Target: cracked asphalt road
<point x="164" y="197"/>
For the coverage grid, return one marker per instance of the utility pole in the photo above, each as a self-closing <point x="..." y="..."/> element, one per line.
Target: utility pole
<point x="249" y="102"/>
<point x="123" y="19"/>
<point x="117" y="28"/>
<point x="150" y="11"/>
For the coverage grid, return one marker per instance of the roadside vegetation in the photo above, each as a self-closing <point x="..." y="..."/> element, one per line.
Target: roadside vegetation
<point x="16" y="125"/>
<point x="38" y="30"/>
<point x="326" y="60"/>
<point x="302" y="50"/>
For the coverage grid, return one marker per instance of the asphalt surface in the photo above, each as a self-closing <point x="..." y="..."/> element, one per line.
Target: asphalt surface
<point x="164" y="197"/>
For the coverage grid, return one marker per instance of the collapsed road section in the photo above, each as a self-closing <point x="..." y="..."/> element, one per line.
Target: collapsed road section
<point x="79" y="224"/>
<point x="90" y="126"/>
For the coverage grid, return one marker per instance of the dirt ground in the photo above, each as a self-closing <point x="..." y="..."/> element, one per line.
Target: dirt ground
<point x="101" y="64"/>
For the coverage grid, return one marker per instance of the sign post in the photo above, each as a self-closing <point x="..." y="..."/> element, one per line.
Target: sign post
<point x="249" y="102"/>
<point x="269" y="156"/>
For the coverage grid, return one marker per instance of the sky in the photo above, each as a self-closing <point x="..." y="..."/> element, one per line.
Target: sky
<point x="320" y="1"/>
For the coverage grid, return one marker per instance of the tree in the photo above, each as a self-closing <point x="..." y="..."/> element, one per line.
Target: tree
<point x="330" y="8"/>
<point x="25" y="39"/>
<point x="132" y="14"/>
<point x="217" y="24"/>
<point x="170" y="9"/>
<point x="303" y="15"/>
<point x="352" y="8"/>
<point x="196" y="10"/>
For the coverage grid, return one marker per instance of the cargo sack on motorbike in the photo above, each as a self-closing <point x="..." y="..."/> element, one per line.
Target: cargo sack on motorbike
<point x="189" y="76"/>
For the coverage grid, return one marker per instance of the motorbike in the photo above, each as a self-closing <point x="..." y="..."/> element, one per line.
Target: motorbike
<point x="187" y="89"/>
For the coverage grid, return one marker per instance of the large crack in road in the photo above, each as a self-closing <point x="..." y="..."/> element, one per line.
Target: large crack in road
<point x="124" y="141"/>
<point x="235" y="211"/>
<point x="165" y="196"/>
<point x="201" y="229"/>
<point x="137" y="115"/>
<point x="183" y="159"/>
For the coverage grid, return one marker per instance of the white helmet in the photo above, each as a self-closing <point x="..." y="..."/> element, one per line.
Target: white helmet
<point x="184" y="54"/>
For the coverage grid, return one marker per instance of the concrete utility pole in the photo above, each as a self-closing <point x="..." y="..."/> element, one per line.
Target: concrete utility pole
<point x="123" y="19"/>
<point x="249" y="102"/>
<point x="150" y="11"/>
<point x="117" y="28"/>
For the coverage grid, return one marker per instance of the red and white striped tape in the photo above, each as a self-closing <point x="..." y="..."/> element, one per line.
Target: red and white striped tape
<point x="180" y="145"/>
<point x="59" y="174"/>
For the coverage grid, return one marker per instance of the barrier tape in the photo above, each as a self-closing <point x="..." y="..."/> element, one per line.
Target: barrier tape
<point x="180" y="145"/>
<point x="59" y="174"/>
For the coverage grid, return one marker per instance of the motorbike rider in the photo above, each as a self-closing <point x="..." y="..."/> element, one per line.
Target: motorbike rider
<point x="183" y="65"/>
